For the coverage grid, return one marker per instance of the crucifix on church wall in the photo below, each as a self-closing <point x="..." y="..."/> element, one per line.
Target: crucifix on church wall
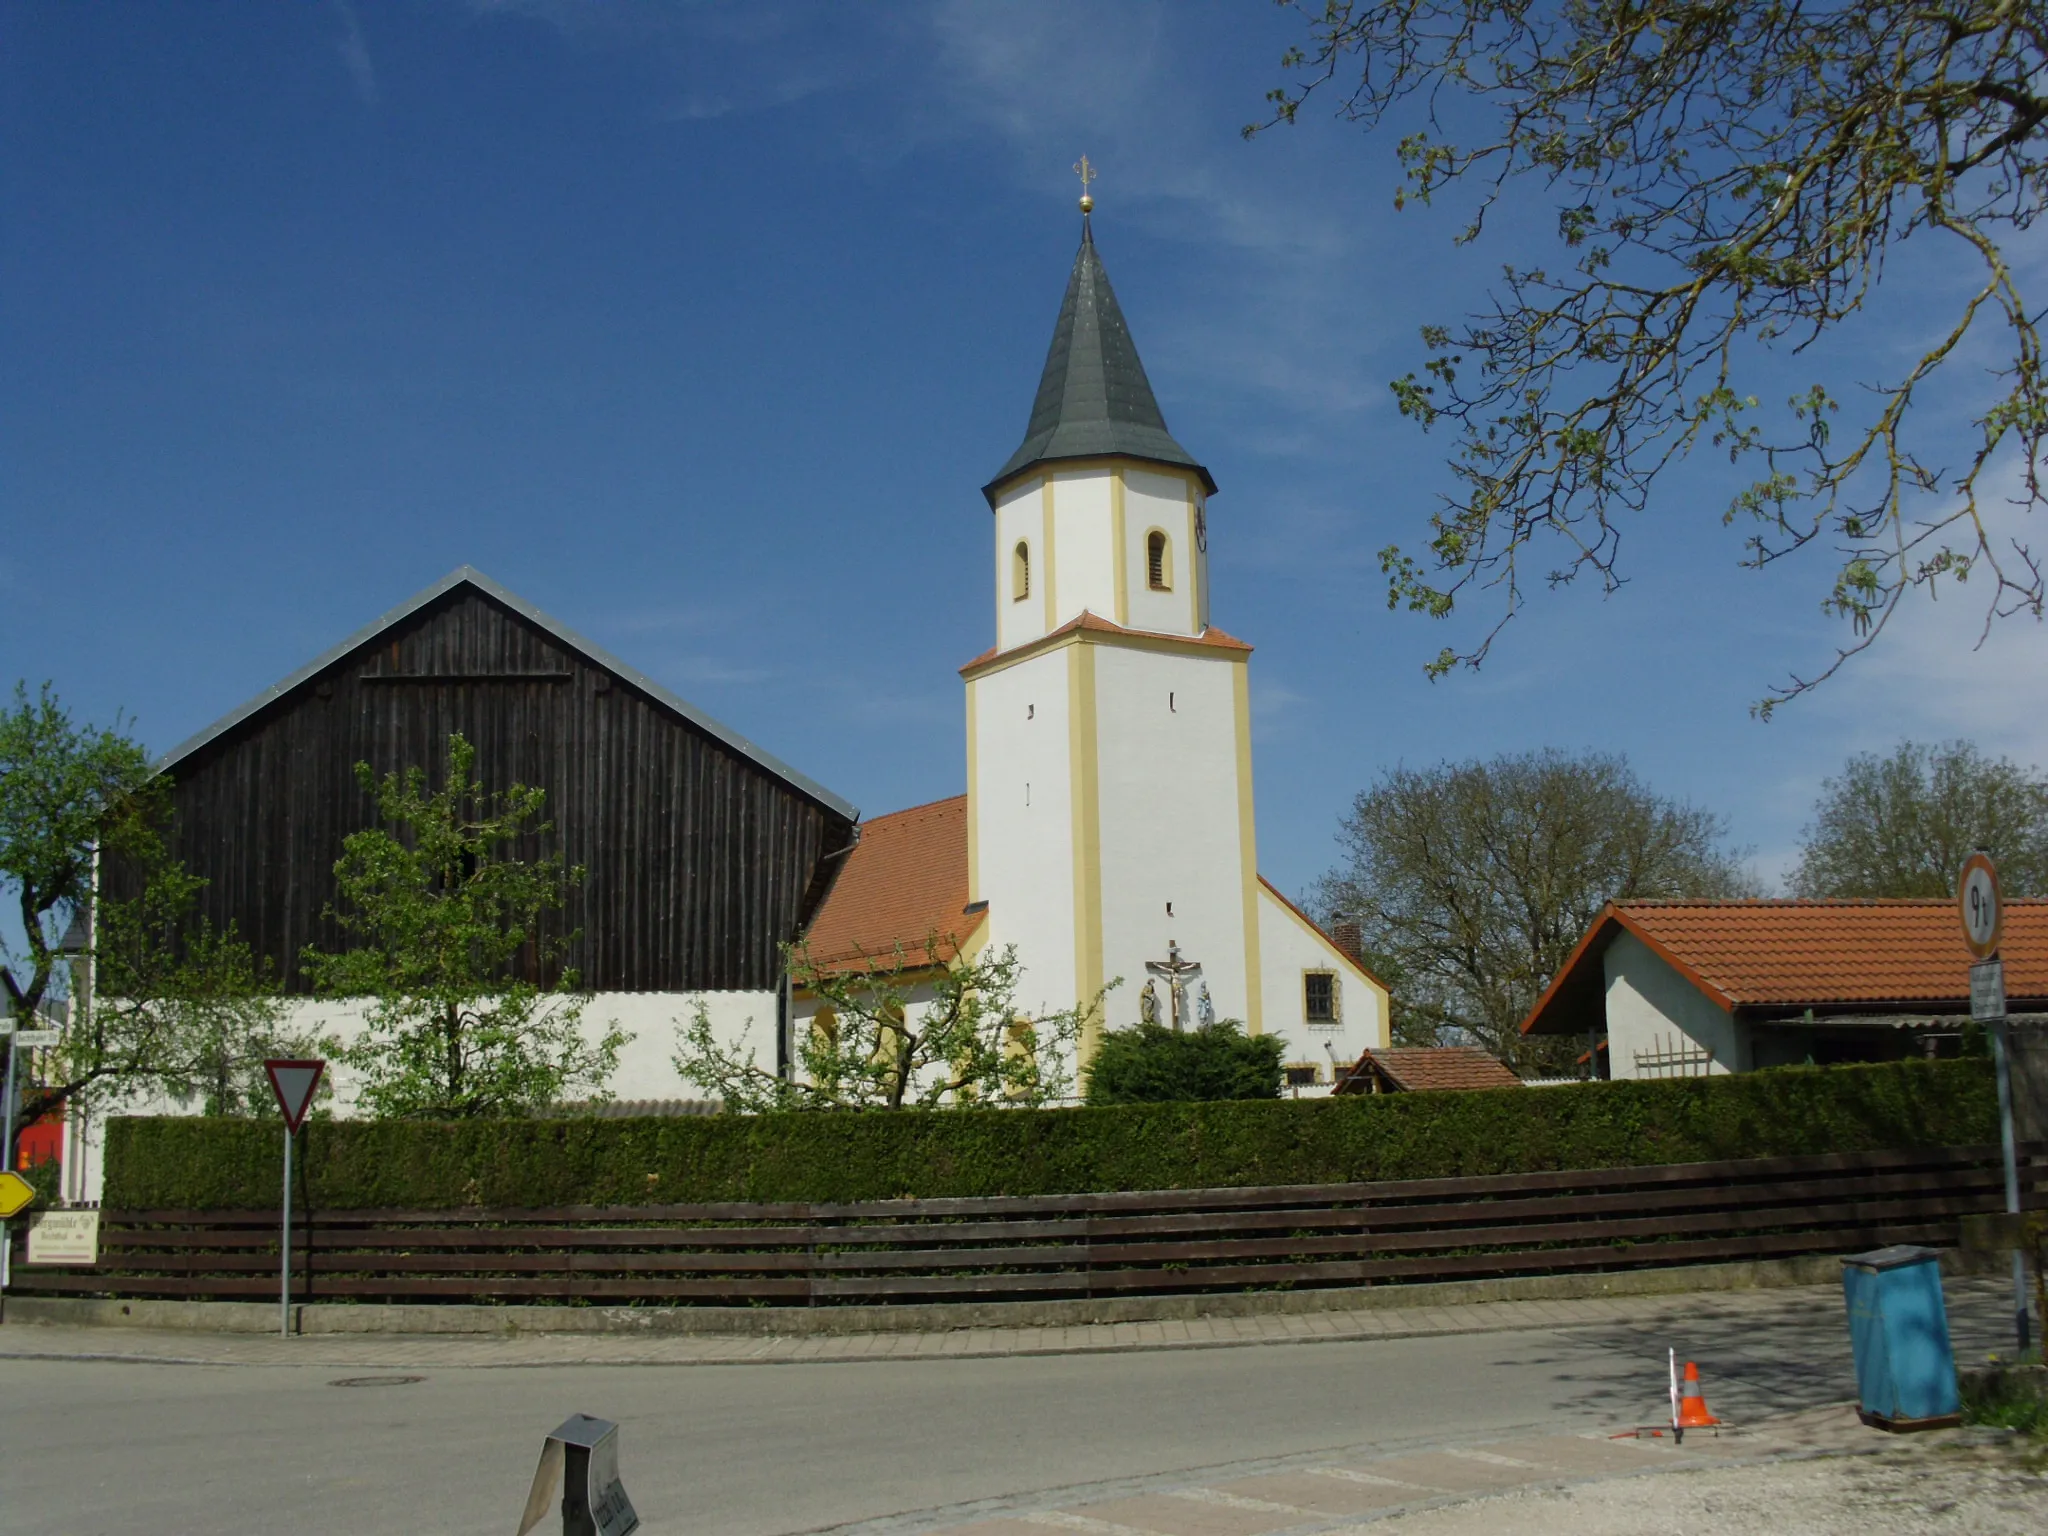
<point x="1177" y="973"/>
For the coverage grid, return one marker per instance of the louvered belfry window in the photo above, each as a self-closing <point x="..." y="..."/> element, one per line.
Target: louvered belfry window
<point x="1158" y="576"/>
<point x="1020" y="572"/>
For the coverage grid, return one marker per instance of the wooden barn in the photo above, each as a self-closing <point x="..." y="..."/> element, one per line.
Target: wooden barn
<point x="703" y="853"/>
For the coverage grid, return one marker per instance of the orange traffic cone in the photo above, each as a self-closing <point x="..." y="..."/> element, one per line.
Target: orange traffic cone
<point x="1692" y="1403"/>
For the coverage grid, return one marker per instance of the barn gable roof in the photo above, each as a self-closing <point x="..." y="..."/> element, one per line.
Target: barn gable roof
<point x="469" y="576"/>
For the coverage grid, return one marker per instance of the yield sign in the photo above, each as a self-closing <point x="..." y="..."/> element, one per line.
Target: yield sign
<point x="16" y="1195"/>
<point x="293" y="1082"/>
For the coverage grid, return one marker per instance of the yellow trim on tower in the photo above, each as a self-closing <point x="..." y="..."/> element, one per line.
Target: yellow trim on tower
<point x="1130" y="640"/>
<point x="1121" y="555"/>
<point x="1194" y="595"/>
<point x="1051" y="582"/>
<point x="973" y="794"/>
<point x="1247" y="842"/>
<point x="1087" y="817"/>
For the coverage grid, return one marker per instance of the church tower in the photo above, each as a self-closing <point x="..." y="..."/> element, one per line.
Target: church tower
<point x="1109" y="800"/>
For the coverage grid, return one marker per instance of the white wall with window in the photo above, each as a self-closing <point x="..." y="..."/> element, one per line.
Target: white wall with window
<point x="1326" y="1005"/>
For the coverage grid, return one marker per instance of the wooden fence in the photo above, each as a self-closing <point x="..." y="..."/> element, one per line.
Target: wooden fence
<point x="1153" y="1243"/>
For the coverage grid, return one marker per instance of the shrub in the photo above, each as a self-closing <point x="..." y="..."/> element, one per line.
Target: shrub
<point x="1151" y="1064"/>
<point x="208" y="1163"/>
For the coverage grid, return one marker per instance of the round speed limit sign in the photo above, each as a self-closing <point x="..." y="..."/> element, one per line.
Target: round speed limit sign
<point x="1977" y="901"/>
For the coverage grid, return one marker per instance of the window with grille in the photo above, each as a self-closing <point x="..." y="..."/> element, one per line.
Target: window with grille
<point x="1020" y="572"/>
<point x="1319" y="996"/>
<point x="1305" y="1076"/>
<point x="1158" y="562"/>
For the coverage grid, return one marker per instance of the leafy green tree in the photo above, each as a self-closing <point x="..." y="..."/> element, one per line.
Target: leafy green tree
<point x="1473" y="881"/>
<point x="179" y="1010"/>
<point x="1901" y="824"/>
<point x="1153" y="1064"/>
<point x="897" y="1032"/>
<point x="1726" y="181"/>
<point x="471" y="1011"/>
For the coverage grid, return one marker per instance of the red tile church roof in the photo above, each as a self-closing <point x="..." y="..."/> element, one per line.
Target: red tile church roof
<point x="904" y="882"/>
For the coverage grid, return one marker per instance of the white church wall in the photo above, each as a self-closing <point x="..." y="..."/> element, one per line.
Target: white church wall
<point x="1652" y="1011"/>
<point x="1289" y="949"/>
<point x="1084" y="548"/>
<point x="1159" y="501"/>
<point x="646" y="1068"/>
<point x="1167" y="785"/>
<point x="1020" y="519"/>
<point x="1022" y="803"/>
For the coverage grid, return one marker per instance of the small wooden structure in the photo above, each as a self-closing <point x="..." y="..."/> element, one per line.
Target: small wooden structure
<point x="1416" y="1069"/>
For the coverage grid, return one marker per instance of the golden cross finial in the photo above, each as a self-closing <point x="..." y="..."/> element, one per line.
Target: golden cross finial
<point x="1086" y="172"/>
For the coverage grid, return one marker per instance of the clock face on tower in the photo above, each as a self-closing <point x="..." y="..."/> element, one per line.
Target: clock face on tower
<point x="1202" y="529"/>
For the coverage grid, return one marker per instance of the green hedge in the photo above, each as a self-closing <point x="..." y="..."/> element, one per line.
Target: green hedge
<point x="217" y="1164"/>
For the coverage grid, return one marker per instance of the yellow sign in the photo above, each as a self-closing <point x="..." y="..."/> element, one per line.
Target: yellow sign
<point x="16" y="1195"/>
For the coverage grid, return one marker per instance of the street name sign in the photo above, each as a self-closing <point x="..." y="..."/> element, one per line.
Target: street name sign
<point x="32" y="1037"/>
<point x="64" y="1237"/>
<point x="293" y="1082"/>
<point x="1978" y="905"/>
<point x="16" y="1194"/>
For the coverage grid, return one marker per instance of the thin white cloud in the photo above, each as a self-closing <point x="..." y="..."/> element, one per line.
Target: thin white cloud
<point x="354" y="48"/>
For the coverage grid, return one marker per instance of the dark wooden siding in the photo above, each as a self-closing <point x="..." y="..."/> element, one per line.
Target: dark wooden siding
<point x="698" y="860"/>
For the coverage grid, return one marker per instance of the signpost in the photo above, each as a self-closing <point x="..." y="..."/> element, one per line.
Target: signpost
<point x="293" y="1082"/>
<point x="1978" y="906"/>
<point x="18" y="1040"/>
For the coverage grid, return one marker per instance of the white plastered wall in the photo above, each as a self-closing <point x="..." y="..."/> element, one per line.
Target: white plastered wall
<point x="1166" y="729"/>
<point x="1289" y="948"/>
<point x="1651" y="1008"/>
<point x="646" y="1068"/>
<point x="1164" y="502"/>
<point x="1084" y="548"/>
<point x="1021" y="801"/>
<point x="1020" y="519"/>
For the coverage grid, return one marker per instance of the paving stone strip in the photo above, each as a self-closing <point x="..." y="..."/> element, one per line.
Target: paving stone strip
<point x="1340" y="1491"/>
<point x="195" y="1347"/>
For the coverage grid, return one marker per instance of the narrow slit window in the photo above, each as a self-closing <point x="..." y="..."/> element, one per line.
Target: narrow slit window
<point x="1020" y="572"/>
<point x="1158" y="562"/>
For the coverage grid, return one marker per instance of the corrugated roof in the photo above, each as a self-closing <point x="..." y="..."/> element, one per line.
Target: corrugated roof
<point x="1785" y="954"/>
<point x="471" y="577"/>
<point x="1093" y="397"/>
<point x="904" y="882"/>
<point x="1427" y="1068"/>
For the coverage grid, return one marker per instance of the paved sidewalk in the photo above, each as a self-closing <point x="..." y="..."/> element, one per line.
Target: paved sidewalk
<point x="1974" y="1303"/>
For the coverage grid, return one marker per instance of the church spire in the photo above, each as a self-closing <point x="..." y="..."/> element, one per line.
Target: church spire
<point x="1094" y="400"/>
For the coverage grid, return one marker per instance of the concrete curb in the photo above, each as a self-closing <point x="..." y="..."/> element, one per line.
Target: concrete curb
<point x="941" y="1317"/>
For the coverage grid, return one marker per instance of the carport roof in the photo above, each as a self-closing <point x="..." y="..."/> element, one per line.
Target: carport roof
<point x="1830" y="956"/>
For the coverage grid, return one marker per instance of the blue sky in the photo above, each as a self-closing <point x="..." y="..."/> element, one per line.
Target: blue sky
<point x="700" y="326"/>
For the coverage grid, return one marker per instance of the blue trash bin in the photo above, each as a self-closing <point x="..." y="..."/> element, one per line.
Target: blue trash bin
<point x="1905" y="1367"/>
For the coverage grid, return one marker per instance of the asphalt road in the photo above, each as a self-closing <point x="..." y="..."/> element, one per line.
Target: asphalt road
<point x="90" y="1447"/>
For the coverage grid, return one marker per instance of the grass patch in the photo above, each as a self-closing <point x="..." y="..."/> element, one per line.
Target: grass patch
<point x="2014" y="1398"/>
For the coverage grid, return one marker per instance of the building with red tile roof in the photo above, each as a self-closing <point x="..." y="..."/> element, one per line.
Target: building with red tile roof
<point x="1426" y="1069"/>
<point x="904" y="888"/>
<point x="1108" y="834"/>
<point x="1691" y="987"/>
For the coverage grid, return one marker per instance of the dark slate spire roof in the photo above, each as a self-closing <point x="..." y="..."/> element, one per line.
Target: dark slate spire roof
<point x="1093" y="398"/>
